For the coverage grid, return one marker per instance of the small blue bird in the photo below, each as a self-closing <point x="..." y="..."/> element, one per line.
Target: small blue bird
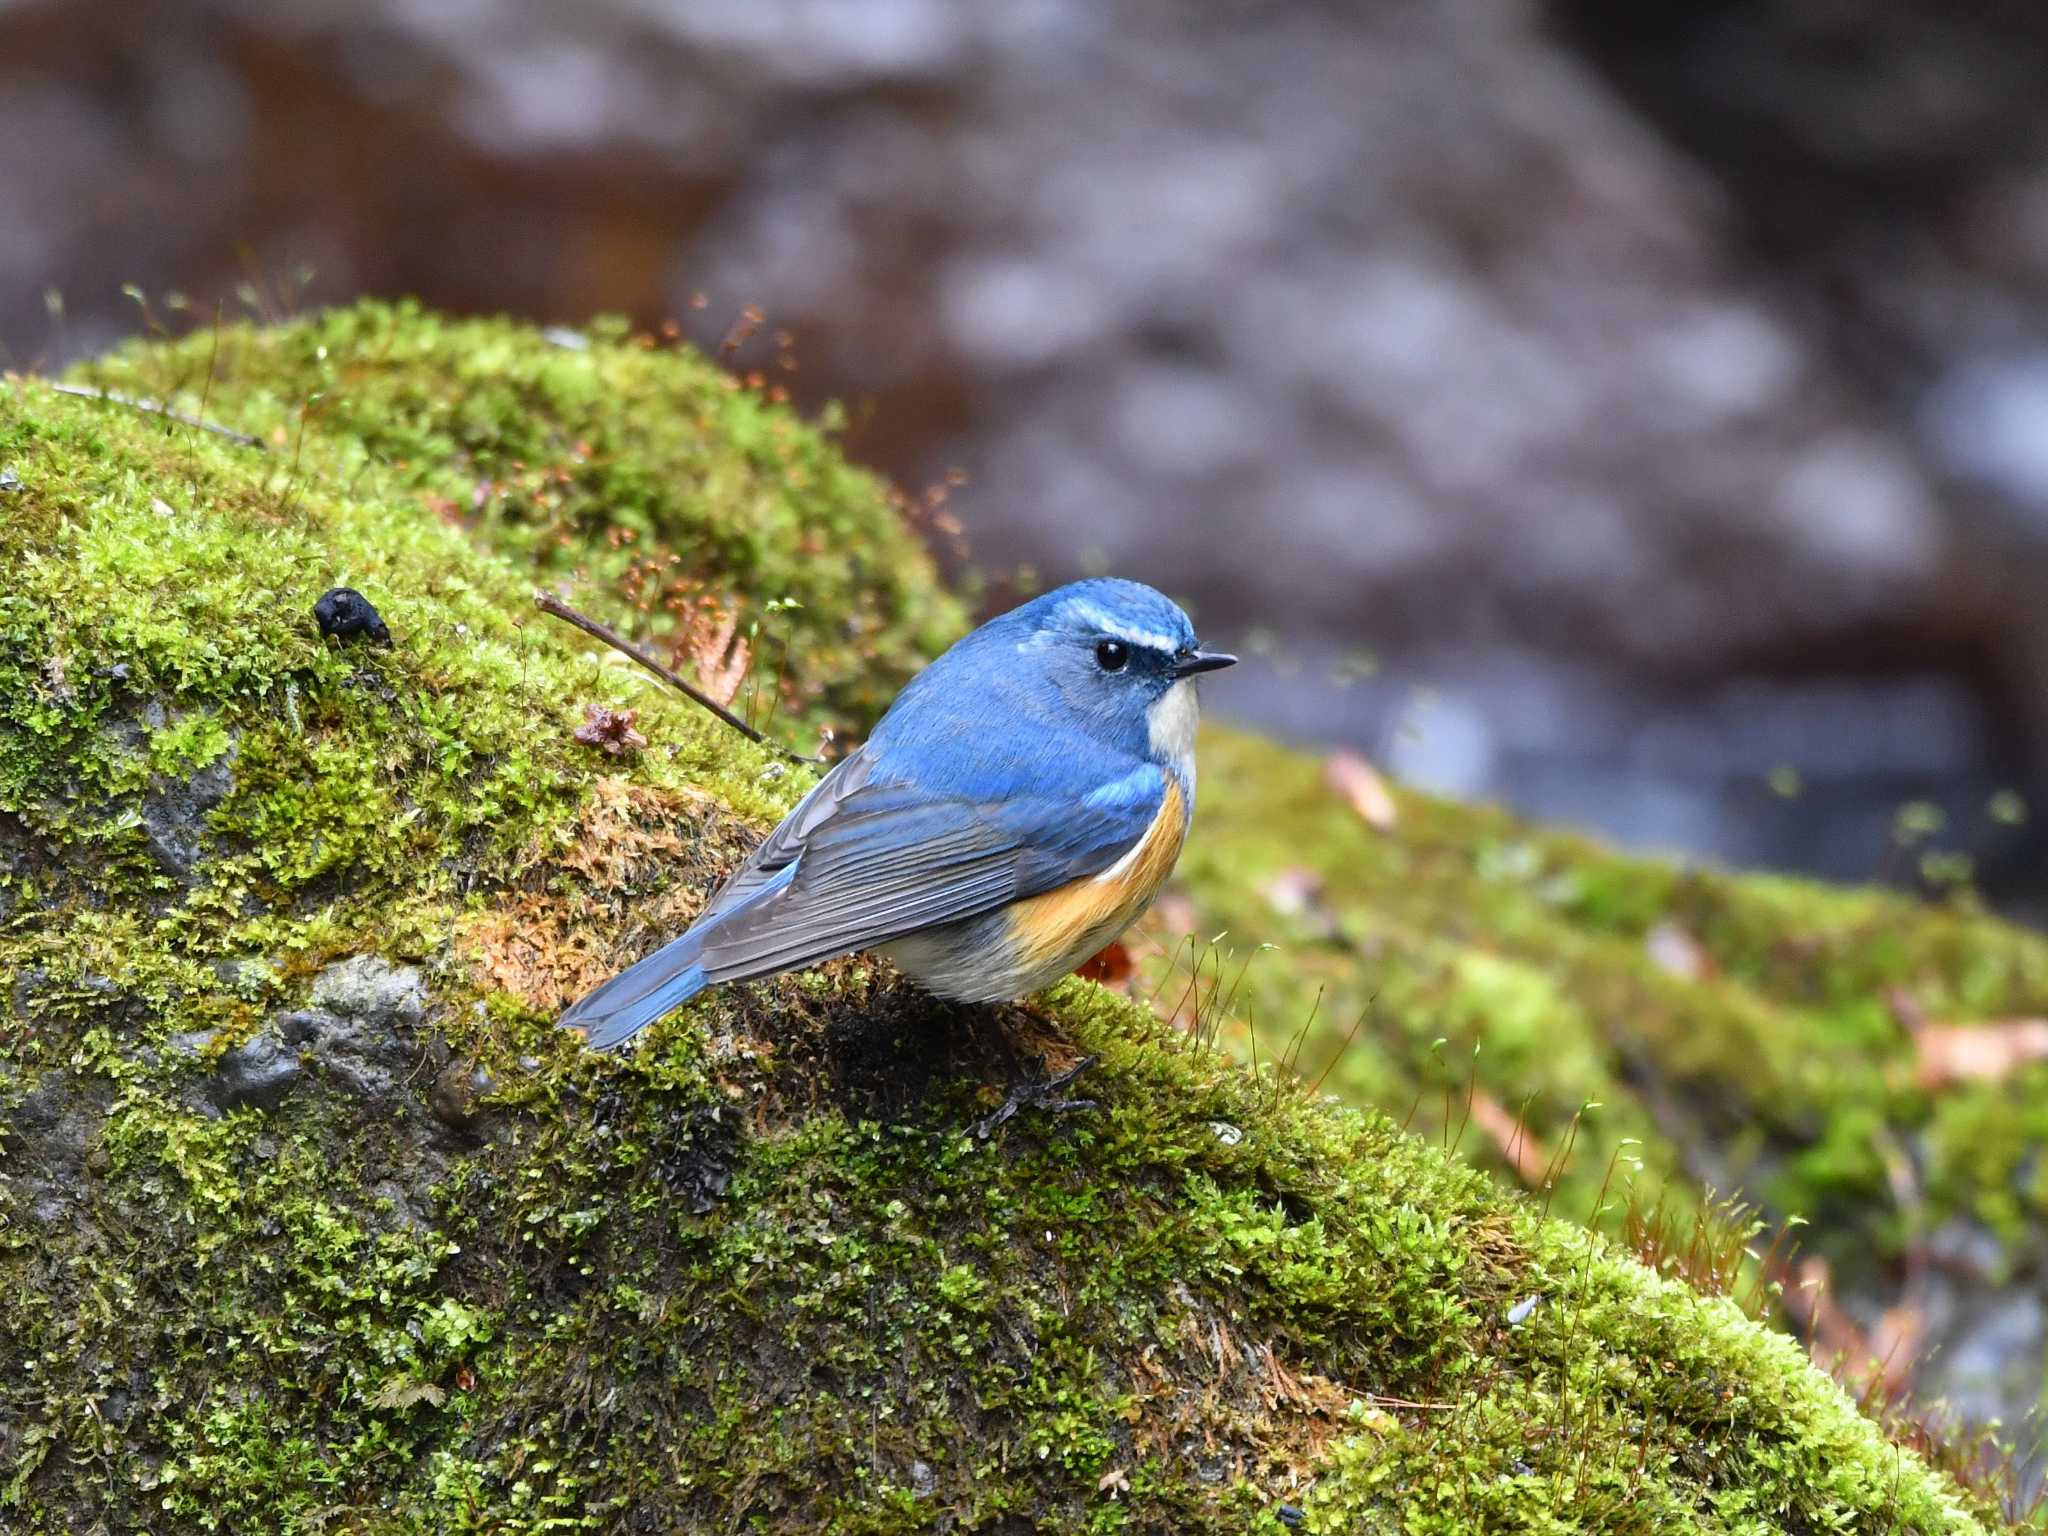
<point x="1021" y="802"/>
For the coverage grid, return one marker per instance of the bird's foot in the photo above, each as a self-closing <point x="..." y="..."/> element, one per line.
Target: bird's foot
<point x="1045" y="1096"/>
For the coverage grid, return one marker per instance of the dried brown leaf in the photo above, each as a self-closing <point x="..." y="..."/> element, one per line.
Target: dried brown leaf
<point x="610" y="730"/>
<point x="1675" y="952"/>
<point x="1957" y="1053"/>
<point x="717" y="652"/>
<point x="1363" y="789"/>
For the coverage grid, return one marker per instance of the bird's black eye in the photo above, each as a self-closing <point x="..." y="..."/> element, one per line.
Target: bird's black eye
<point x="1112" y="655"/>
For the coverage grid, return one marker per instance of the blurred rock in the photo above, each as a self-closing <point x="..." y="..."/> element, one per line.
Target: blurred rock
<point x="1653" y="394"/>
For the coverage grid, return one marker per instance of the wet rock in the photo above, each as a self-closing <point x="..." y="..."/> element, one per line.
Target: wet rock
<point x="174" y="813"/>
<point x="361" y="1037"/>
<point x="248" y="975"/>
<point x="52" y="1131"/>
<point x="257" y="1074"/>
<point x="457" y="1094"/>
<point x="173" y="808"/>
<point x="191" y="1043"/>
<point x="362" y="1055"/>
<point x="31" y="980"/>
<point x="101" y="995"/>
<point x="17" y="858"/>
<point x="40" y="1109"/>
<point x="398" y="1208"/>
<point x="372" y="990"/>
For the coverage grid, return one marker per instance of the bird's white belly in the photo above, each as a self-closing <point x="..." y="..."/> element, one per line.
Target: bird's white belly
<point x="967" y="963"/>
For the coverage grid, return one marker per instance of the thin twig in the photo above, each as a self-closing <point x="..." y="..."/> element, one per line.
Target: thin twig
<point x="547" y="602"/>
<point x="1381" y="1400"/>
<point x="158" y="408"/>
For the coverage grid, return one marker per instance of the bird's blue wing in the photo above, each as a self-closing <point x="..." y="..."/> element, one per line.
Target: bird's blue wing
<point x="892" y="860"/>
<point x="865" y="859"/>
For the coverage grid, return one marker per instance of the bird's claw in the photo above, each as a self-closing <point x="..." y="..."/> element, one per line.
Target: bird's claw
<point x="1043" y="1096"/>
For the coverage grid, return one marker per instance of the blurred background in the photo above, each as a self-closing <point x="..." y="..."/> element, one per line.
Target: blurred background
<point x="1635" y="414"/>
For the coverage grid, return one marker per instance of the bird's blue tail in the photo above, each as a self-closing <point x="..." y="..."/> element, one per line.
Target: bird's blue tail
<point x="640" y="994"/>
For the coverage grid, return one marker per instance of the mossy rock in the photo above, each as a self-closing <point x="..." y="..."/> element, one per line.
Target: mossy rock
<point x="1754" y="1034"/>
<point x="310" y="1220"/>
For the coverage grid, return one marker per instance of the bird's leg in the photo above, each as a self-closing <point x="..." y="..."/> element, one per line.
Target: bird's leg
<point x="1045" y="1096"/>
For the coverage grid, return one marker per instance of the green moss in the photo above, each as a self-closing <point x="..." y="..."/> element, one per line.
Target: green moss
<point x="1764" y="1056"/>
<point x="758" y="1276"/>
<point x="647" y="480"/>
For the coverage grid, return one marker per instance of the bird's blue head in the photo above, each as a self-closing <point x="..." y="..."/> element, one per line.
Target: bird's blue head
<point x="1113" y="657"/>
<point x="1098" y="667"/>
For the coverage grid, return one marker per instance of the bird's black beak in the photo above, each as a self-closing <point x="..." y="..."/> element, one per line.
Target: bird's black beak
<point x="1200" y="661"/>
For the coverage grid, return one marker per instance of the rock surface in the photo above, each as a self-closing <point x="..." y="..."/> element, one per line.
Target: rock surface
<point x="757" y="1272"/>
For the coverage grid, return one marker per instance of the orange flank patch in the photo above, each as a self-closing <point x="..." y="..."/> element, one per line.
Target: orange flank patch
<point x="1077" y="919"/>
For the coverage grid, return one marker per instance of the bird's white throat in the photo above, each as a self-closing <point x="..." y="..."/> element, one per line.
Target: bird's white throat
<point x="1171" y="720"/>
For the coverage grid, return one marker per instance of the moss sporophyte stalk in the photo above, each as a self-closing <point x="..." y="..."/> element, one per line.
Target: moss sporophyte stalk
<point x="310" y="1220"/>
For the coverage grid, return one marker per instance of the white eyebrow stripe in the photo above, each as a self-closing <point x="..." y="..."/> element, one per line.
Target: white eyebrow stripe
<point x="1152" y="640"/>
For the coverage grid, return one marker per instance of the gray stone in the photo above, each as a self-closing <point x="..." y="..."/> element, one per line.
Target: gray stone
<point x="370" y="988"/>
<point x="399" y="1210"/>
<point x="247" y="974"/>
<point x="52" y="1130"/>
<point x="191" y="1043"/>
<point x="361" y="1032"/>
<point x="457" y="1094"/>
<point x="362" y="1054"/>
<point x="31" y="980"/>
<point x="257" y="1074"/>
<point x="174" y="813"/>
